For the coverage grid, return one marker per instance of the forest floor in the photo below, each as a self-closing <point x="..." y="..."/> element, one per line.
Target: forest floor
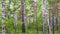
<point x="31" y="32"/>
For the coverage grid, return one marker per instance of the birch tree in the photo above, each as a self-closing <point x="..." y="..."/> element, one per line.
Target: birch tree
<point x="44" y="14"/>
<point x="48" y="18"/>
<point x="49" y="23"/>
<point x="3" y="16"/>
<point x="57" y="15"/>
<point x="22" y="15"/>
<point x="53" y="8"/>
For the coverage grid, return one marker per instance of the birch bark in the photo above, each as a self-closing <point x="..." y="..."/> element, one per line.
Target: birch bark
<point x="44" y="14"/>
<point x="22" y="15"/>
<point x="3" y="16"/>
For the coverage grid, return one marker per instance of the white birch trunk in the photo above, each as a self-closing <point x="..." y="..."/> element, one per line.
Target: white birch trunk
<point x="48" y="18"/>
<point x="53" y="14"/>
<point x="44" y="14"/>
<point x="3" y="16"/>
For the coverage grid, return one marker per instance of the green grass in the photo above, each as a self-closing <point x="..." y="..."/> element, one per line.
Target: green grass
<point x="30" y="31"/>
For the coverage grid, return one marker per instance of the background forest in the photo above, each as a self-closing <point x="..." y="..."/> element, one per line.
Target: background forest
<point x="30" y="16"/>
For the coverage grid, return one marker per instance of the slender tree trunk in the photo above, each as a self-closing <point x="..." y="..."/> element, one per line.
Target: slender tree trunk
<point x="44" y="14"/>
<point x="44" y="23"/>
<point x="49" y="23"/>
<point x="53" y="8"/>
<point x="3" y="16"/>
<point x="49" y="20"/>
<point x="22" y="15"/>
<point x="49" y="27"/>
<point x="57" y="15"/>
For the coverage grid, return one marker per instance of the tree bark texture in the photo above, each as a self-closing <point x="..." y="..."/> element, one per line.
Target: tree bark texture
<point x="44" y="15"/>
<point x="53" y="10"/>
<point x="57" y="15"/>
<point x="22" y="15"/>
<point x="3" y="16"/>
